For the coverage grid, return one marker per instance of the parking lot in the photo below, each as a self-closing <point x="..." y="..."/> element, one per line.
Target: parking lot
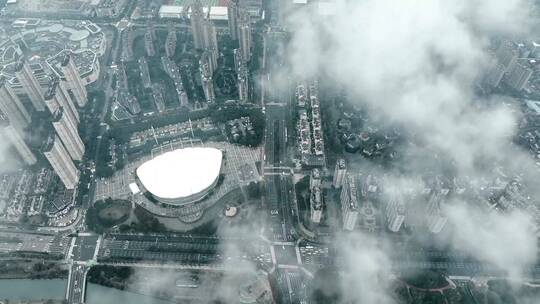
<point x="181" y="249"/>
<point x="44" y="243"/>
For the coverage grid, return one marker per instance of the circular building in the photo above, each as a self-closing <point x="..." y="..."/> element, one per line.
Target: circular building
<point x="181" y="176"/>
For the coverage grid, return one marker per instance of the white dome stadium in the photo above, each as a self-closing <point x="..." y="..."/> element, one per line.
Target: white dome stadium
<point x="181" y="176"/>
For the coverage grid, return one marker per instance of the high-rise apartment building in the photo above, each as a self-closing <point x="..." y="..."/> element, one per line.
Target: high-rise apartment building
<point x="68" y="135"/>
<point x="243" y="85"/>
<point x="170" y="43"/>
<point x="66" y="100"/>
<point x="519" y="74"/>
<point x="436" y="220"/>
<point x="507" y="54"/>
<point x="12" y="107"/>
<point x="339" y="174"/>
<point x="207" y="81"/>
<point x="56" y="98"/>
<point x="61" y="162"/>
<point x="349" y="202"/>
<point x="316" y="204"/>
<point x="210" y="41"/>
<point x="232" y="13"/>
<point x="242" y="76"/>
<point x="197" y="24"/>
<point x="395" y="213"/>
<point x="495" y="75"/>
<point x="315" y="178"/>
<point x="17" y="140"/>
<point x="184" y="100"/>
<point x="74" y="82"/>
<point x="244" y="35"/>
<point x="206" y="59"/>
<point x="30" y="85"/>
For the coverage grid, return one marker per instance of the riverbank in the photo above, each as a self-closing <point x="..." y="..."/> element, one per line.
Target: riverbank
<point x="32" y="269"/>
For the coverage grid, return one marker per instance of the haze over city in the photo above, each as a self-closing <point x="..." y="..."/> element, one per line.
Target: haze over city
<point x="269" y="151"/>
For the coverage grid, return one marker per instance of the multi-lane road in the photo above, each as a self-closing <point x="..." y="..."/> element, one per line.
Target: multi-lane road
<point x="278" y="198"/>
<point x="453" y="263"/>
<point x="75" y="293"/>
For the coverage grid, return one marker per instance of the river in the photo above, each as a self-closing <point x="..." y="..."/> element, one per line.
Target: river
<point x="25" y="289"/>
<point x="97" y="294"/>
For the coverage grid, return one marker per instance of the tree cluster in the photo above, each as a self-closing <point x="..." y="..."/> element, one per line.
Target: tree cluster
<point x="98" y="224"/>
<point x="146" y="222"/>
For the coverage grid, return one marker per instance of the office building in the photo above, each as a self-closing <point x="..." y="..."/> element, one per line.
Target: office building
<point x="315" y="178"/>
<point x="349" y="202"/>
<point x="17" y="140"/>
<point x="316" y="204"/>
<point x="61" y="162"/>
<point x="74" y="83"/>
<point x="170" y="43"/>
<point x="197" y="24"/>
<point x="232" y="13"/>
<point x="12" y="107"/>
<point x="519" y="74"/>
<point x="68" y="135"/>
<point x="30" y="85"/>
<point x="339" y="173"/>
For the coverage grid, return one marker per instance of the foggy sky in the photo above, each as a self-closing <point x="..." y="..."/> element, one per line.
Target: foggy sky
<point x="8" y="161"/>
<point x="415" y="64"/>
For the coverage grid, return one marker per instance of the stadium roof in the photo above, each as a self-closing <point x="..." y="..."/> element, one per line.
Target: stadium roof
<point x="181" y="173"/>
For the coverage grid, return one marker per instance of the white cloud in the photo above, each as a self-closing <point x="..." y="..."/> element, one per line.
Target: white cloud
<point x="506" y="241"/>
<point x="415" y="63"/>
